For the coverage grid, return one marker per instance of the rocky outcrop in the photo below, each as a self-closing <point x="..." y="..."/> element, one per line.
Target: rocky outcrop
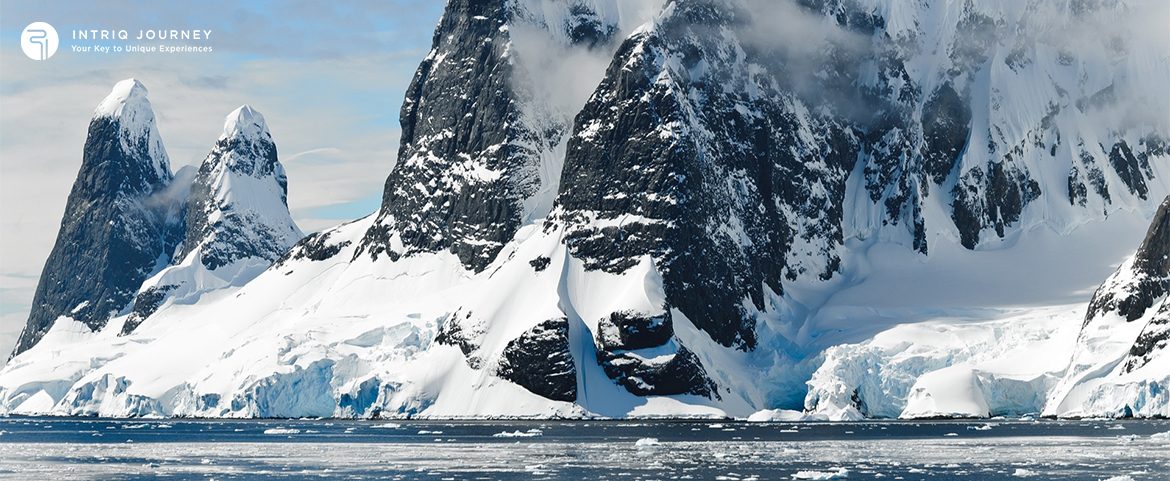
<point x="539" y="361"/>
<point x="1153" y="340"/>
<point x="640" y="353"/>
<point x="460" y="174"/>
<point x="1138" y="290"/>
<point x="1141" y="281"/>
<point x="1126" y="327"/>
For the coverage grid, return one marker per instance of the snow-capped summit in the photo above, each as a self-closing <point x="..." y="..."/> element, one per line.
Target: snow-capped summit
<point x="120" y="219"/>
<point x="238" y="206"/>
<point x="129" y="104"/>
<point x="237" y="219"/>
<point x="127" y="98"/>
<point x="245" y="122"/>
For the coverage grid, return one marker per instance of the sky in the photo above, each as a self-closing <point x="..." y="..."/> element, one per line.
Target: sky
<point x="328" y="77"/>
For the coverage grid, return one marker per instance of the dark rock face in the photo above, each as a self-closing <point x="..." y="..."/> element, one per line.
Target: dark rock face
<point x="468" y="158"/>
<point x="994" y="196"/>
<point x="115" y="233"/>
<point x="540" y="263"/>
<point x="682" y="373"/>
<point x="1086" y="175"/>
<point x="539" y="361"/>
<point x="1136" y="287"/>
<point x="629" y="330"/>
<point x="585" y="27"/>
<point x="705" y="186"/>
<point x="946" y="124"/>
<point x="465" y="331"/>
<point x="315" y="247"/>
<point x="1131" y="169"/>
<point x="462" y="170"/>
<point x="1154" y="339"/>
<point x="645" y="373"/>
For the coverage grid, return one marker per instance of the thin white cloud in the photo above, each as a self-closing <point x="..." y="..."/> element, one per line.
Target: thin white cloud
<point x="312" y="153"/>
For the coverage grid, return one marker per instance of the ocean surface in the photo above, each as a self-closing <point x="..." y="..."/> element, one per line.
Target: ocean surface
<point x="45" y="449"/>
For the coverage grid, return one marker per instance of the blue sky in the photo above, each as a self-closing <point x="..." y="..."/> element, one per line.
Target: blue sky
<point x="329" y="78"/>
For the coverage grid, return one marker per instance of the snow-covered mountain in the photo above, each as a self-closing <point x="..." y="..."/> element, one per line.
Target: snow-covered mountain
<point x="1120" y="364"/>
<point x="689" y="207"/>
<point x="121" y="222"/>
<point x="237" y="219"/>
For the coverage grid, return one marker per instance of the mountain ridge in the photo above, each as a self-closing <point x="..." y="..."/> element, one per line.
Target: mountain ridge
<point x="675" y="242"/>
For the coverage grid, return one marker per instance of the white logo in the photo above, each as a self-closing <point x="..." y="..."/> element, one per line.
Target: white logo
<point x="39" y="41"/>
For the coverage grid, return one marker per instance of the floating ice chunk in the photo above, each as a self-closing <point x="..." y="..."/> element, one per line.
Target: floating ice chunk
<point x="836" y="473"/>
<point x="1023" y="473"/>
<point x="645" y="442"/>
<point x="773" y="415"/>
<point x="531" y="433"/>
<point x="278" y="431"/>
<point x="386" y="426"/>
<point x="1161" y="436"/>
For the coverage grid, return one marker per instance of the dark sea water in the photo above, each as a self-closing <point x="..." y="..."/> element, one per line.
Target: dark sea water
<point x="45" y="449"/>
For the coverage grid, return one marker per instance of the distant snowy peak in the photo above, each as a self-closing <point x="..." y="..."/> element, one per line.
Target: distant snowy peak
<point x="237" y="219"/>
<point x="128" y="100"/>
<point x="245" y="122"/>
<point x="238" y="207"/>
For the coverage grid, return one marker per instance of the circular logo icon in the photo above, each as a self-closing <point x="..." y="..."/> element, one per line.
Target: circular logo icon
<point x="39" y="41"/>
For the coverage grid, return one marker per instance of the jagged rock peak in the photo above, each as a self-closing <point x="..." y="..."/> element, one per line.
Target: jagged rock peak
<point x="236" y="219"/>
<point x="245" y="147"/>
<point x="239" y="200"/>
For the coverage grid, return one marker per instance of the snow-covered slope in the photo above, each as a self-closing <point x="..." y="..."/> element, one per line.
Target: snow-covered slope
<point x="694" y="207"/>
